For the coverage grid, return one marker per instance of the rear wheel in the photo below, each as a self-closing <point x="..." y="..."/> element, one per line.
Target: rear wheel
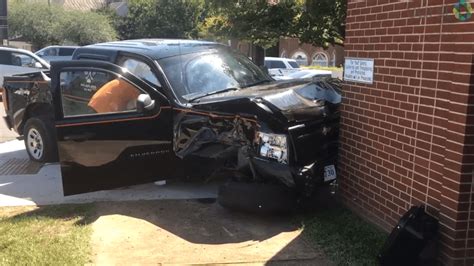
<point x="39" y="139"/>
<point x="256" y="197"/>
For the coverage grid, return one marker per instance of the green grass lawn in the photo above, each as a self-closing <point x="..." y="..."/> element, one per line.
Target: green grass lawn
<point x="51" y="235"/>
<point x="323" y="68"/>
<point x="344" y="237"/>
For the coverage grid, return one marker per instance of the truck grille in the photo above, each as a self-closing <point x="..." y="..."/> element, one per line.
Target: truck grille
<point x="314" y="141"/>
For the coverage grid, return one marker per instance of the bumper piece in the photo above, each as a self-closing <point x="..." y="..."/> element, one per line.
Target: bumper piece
<point x="301" y="178"/>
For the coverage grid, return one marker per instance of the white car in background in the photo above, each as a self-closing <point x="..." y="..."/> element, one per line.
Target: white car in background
<point x="309" y="73"/>
<point x="18" y="61"/>
<point x="286" y="69"/>
<point x="56" y="53"/>
<point x="280" y="67"/>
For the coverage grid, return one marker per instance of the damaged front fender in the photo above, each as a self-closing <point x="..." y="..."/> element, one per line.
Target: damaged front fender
<point x="226" y="131"/>
<point x="210" y="135"/>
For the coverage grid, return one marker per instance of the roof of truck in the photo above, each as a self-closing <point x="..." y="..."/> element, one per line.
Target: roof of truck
<point x="156" y="48"/>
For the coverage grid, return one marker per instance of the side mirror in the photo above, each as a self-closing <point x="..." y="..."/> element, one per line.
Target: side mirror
<point x="46" y="78"/>
<point x="38" y="65"/>
<point x="145" y="103"/>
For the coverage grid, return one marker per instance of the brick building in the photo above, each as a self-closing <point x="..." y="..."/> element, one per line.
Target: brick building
<point x="408" y="138"/>
<point x="305" y="54"/>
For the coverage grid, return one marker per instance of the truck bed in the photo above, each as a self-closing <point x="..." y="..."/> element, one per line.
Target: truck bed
<point x="22" y="91"/>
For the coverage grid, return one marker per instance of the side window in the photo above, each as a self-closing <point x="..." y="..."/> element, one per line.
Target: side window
<point x="140" y="69"/>
<point x="96" y="92"/>
<point x="24" y="60"/>
<point x="279" y="64"/>
<point x="6" y="58"/>
<point x="66" y="51"/>
<point x="276" y="64"/>
<point x="293" y="64"/>
<point x="51" y="52"/>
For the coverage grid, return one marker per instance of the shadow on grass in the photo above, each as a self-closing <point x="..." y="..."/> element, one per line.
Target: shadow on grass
<point x="195" y="221"/>
<point x="84" y="214"/>
<point x="198" y="221"/>
<point x="340" y="234"/>
<point x="333" y="230"/>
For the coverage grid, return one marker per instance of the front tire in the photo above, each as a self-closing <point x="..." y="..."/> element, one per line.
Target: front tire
<point x="40" y="142"/>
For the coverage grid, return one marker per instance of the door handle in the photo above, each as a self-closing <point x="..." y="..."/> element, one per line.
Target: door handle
<point x="79" y="137"/>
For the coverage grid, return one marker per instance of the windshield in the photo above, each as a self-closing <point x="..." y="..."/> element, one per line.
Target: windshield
<point x="197" y="74"/>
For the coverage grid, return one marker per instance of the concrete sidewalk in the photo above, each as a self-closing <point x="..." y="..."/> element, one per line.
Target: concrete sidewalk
<point x="185" y="232"/>
<point x="45" y="187"/>
<point x="5" y="133"/>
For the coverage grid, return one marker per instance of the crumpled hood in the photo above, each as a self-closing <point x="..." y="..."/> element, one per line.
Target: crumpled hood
<point x="296" y="100"/>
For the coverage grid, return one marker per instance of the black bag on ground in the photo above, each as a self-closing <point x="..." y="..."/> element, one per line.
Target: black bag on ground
<point x="409" y="241"/>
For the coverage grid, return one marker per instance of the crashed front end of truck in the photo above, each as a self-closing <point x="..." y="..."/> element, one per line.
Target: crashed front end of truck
<point x="283" y="133"/>
<point x="190" y="110"/>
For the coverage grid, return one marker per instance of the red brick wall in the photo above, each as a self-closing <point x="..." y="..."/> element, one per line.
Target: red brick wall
<point x="408" y="138"/>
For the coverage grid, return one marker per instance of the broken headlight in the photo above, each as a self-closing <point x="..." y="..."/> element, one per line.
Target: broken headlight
<point x="273" y="146"/>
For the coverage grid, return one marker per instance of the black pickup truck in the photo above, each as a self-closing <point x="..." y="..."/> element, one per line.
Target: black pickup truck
<point x="137" y="111"/>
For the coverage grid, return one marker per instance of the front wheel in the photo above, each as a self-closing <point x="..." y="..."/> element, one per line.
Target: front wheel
<point x="39" y="140"/>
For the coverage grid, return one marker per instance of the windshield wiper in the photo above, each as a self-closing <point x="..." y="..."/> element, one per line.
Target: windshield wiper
<point x="258" y="83"/>
<point x="212" y="93"/>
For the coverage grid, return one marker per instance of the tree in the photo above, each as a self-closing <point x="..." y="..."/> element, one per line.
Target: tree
<point x="260" y="22"/>
<point x="43" y="24"/>
<point x="263" y="22"/>
<point x="160" y="19"/>
<point x="37" y="23"/>
<point x="322" y="22"/>
<point x="84" y="28"/>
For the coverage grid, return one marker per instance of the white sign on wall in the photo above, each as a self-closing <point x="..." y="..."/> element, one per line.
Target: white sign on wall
<point x="359" y="70"/>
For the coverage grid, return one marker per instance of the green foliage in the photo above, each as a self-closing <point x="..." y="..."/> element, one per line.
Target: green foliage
<point x="84" y="28"/>
<point x="44" y="24"/>
<point x="259" y="22"/>
<point x="322" y="22"/>
<point x="215" y="27"/>
<point x="37" y="23"/>
<point x="319" y="22"/>
<point x="160" y="19"/>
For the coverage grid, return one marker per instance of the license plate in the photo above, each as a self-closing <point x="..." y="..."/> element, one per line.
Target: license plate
<point x="329" y="172"/>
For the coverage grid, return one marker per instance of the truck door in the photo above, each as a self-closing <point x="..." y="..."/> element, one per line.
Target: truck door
<point x="113" y="128"/>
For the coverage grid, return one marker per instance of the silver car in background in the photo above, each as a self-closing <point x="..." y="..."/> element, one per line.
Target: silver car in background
<point x="18" y="61"/>
<point x="56" y="53"/>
